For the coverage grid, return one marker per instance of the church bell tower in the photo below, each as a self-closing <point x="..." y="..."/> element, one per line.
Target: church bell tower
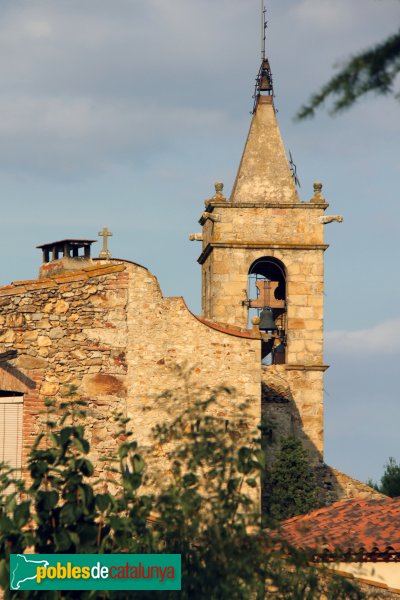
<point x="262" y="265"/>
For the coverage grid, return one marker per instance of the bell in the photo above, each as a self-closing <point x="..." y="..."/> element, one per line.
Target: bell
<point x="265" y="77"/>
<point x="267" y="322"/>
<point x="265" y="83"/>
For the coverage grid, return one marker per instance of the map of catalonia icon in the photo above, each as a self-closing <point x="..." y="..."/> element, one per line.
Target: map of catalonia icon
<point x="24" y="570"/>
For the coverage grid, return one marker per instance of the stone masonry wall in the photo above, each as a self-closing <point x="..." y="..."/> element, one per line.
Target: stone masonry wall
<point x="69" y="330"/>
<point x="293" y="235"/>
<point x="108" y="331"/>
<point x="293" y="400"/>
<point x="169" y="349"/>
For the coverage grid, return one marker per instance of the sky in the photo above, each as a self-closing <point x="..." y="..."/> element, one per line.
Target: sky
<point x="124" y="113"/>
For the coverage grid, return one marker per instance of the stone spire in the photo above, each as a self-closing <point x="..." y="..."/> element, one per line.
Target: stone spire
<point x="264" y="174"/>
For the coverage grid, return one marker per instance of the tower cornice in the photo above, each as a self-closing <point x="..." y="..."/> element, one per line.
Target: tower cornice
<point x="254" y="245"/>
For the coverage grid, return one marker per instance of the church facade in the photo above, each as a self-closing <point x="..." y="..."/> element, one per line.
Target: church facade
<point x="102" y="328"/>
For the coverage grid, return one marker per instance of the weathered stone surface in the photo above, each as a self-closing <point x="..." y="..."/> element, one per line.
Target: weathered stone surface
<point x="7" y="336"/>
<point x="43" y="340"/>
<point x="31" y="362"/>
<point x="61" y="307"/>
<point x="49" y="389"/>
<point x="56" y="333"/>
<point x="103" y="385"/>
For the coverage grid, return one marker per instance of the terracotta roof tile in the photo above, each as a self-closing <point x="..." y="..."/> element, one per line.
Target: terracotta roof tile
<point x="369" y="526"/>
<point x="229" y="329"/>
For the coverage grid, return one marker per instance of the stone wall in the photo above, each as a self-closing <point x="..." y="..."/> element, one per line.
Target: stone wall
<point x="107" y="331"/>
<point x="294" y="235"/>
<point x="170" y="349"/>
<point x="68" y="330"/>
<point x="292" y="400"/>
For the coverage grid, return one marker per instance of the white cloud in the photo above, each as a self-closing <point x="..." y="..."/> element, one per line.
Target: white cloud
<point x="381" y="339"/>
<point x="86" y="133"/>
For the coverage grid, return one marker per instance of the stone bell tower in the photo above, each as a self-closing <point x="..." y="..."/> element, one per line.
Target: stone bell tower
<point x="263" y="262"/>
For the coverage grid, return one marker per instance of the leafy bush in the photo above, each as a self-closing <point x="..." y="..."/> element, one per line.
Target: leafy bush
<point x="207" y="510"/>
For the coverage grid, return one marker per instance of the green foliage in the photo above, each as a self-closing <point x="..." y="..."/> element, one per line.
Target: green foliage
<point x="290" y="487"/>
<point x="373" y="70"/>
<point x="390" y="480"/>
<point x="207" y="510"/>
<point x="372" y="484"/>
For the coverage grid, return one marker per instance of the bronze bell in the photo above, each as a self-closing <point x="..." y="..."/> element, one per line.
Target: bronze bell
<point x="265" y="83"/>
<point x="267" y="322"/>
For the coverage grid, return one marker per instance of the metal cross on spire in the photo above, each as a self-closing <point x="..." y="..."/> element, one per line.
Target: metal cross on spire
<point x="105" y="234"/>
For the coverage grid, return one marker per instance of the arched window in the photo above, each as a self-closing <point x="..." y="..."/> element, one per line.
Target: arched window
<point x="267" y="300"/>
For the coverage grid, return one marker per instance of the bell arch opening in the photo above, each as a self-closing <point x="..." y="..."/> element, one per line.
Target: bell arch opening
<point x="267" y="302"/>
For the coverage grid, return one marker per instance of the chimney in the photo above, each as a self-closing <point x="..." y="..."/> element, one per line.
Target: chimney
<point x="65" y="255"/>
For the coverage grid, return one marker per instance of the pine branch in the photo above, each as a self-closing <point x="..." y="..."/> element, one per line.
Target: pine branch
<point x="373" y="70"/>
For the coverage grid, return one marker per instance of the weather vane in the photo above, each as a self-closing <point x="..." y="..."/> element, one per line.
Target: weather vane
<point x="293" y="170"/>
<point x="264" y="24"/>
<point x="264" y="77"/>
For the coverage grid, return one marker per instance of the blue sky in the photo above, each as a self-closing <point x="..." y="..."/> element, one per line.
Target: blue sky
<point x="124" y="113"/>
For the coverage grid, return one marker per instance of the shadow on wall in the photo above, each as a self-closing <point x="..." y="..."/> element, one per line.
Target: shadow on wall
<point x="14" y="380"/>
<point x="282" y="418"/>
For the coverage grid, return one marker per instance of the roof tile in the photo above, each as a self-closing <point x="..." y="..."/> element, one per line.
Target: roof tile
<point x="369" y="526"/>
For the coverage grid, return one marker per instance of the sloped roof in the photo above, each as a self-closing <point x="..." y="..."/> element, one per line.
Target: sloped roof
<point x="230" y="329"/>
<point x="369" y="527"/>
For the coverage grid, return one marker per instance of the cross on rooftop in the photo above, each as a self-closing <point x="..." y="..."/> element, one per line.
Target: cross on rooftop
<point x="105" y="253"/>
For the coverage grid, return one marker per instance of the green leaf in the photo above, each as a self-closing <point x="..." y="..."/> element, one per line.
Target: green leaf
<point x="70" y="513"/>
<point x="74" y="537"/>
<point x="138" y="463"/>
<point x="6" y="525"/>
<point x="252" y="482"/>
<point x="62" y="540"/>
<point x="103" y="501"/>
<point x="65" y="435"/>
<point x="22" y="514"/>
<point x="47" y="500"/>
<point x="4" y="574"/>
<point x="85" y="467"/>
<point x="81" y="444"/>
<point x="38" y="469"/>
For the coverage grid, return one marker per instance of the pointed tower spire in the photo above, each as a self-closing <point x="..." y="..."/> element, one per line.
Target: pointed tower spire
<point x="264" y="174"/>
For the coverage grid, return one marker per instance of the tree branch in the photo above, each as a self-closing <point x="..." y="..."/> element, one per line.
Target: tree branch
<point x="373" y="70"/>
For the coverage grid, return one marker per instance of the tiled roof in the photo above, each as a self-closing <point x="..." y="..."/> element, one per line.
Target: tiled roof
<point x="370" y="527"/>
<point x="230" y="329"/>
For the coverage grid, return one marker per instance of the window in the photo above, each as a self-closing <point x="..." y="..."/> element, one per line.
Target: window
<point x="11" y="410"/>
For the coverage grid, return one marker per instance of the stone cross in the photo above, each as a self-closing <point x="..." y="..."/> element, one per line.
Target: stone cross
<point x="105" y="253"/>
<point x="266" y="295"/>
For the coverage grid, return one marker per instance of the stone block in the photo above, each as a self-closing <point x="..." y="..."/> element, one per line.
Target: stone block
<point x="43" y="340"/>
<point x="48" y="388"/>
<point x="7" y="336"/>
<point x="61" y="307"/>
<point x="103" y="385"/>
<point x="30" y="362"/>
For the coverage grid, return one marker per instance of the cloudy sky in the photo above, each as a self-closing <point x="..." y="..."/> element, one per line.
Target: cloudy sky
<point x="124" y="113"/>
